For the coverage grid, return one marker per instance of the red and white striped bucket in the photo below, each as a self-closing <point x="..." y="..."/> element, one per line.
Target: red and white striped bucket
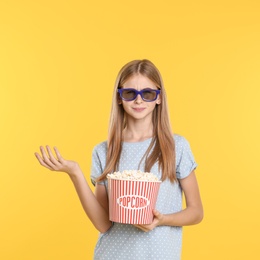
<point x="132" y="202"/>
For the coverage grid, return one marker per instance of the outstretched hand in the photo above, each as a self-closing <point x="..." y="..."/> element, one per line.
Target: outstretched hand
<point x="157" y="221"/>
<point x="49" y="161"/>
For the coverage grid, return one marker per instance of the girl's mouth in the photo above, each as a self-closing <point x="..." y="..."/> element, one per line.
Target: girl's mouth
<point x="138" y="109"/>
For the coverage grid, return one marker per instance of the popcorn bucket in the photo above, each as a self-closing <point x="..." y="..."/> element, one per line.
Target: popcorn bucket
<point x="132" y="201"/>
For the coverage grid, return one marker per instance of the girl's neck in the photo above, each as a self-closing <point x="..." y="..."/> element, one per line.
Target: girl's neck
<point x="137" y="133"/>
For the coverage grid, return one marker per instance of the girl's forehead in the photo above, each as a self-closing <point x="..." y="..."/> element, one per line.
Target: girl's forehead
<point x="138" y="81"/>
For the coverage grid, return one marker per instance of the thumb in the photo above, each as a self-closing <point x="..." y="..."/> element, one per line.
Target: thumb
<point x="156" y="213"/>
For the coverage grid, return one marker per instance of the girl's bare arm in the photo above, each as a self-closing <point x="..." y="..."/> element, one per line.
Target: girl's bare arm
<point x="95" y="207"/>
<point x="192" y="214"/>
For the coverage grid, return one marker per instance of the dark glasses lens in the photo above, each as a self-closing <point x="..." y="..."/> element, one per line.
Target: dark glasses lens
<point x="129" y="94"/>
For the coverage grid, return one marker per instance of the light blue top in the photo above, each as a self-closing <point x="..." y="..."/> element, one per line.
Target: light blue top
<point x="126" y="242"/>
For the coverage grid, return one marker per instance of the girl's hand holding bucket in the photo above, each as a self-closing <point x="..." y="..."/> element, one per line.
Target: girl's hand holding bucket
<point x="157" y="221"/>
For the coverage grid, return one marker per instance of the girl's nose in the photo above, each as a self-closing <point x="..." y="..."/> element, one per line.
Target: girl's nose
<point x="138" y="99"/>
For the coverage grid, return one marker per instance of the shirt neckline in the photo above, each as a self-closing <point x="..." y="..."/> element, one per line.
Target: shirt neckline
<point x="138" y="142"/>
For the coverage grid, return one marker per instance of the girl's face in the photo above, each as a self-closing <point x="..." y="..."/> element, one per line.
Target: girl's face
<point x="138" y="108"/>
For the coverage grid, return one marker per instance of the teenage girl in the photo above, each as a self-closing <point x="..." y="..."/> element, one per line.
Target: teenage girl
<point x="139" y="137"/>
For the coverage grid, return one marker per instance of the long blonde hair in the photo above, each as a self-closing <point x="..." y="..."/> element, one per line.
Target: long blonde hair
<point x="162" y="147"/>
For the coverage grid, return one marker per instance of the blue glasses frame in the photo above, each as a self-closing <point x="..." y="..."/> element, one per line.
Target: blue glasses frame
<point x="123" y="94"/>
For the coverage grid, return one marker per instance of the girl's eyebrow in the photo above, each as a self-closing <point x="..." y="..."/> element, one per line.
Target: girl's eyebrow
<point x="141" y="88"/>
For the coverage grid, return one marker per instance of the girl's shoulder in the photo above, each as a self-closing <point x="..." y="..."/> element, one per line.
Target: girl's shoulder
<point x="179" y="138"/>
<point x="100" y="147"/>
<point x="180" y="142"/>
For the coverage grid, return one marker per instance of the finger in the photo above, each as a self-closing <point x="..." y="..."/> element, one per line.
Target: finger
<point x="42" y="162"/>
<point x="51" y="156"/>
<point x="144" y="229"/>
<point x="60" y="159"/>
<point x="138" y="226"/>
<point x="141" y="227"/>
<point x="46" y="159"/>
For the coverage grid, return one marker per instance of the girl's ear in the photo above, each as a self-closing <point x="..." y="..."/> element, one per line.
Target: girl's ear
<point x="158" y="101"/>
<point x="119" y="100"/>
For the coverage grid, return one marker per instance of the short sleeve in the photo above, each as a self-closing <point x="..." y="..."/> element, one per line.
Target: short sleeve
<point x="185" y="162"/>
<point x="98" y="162"/>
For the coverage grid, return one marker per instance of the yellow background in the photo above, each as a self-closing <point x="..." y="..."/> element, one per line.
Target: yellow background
<point x="58" y="63"/>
